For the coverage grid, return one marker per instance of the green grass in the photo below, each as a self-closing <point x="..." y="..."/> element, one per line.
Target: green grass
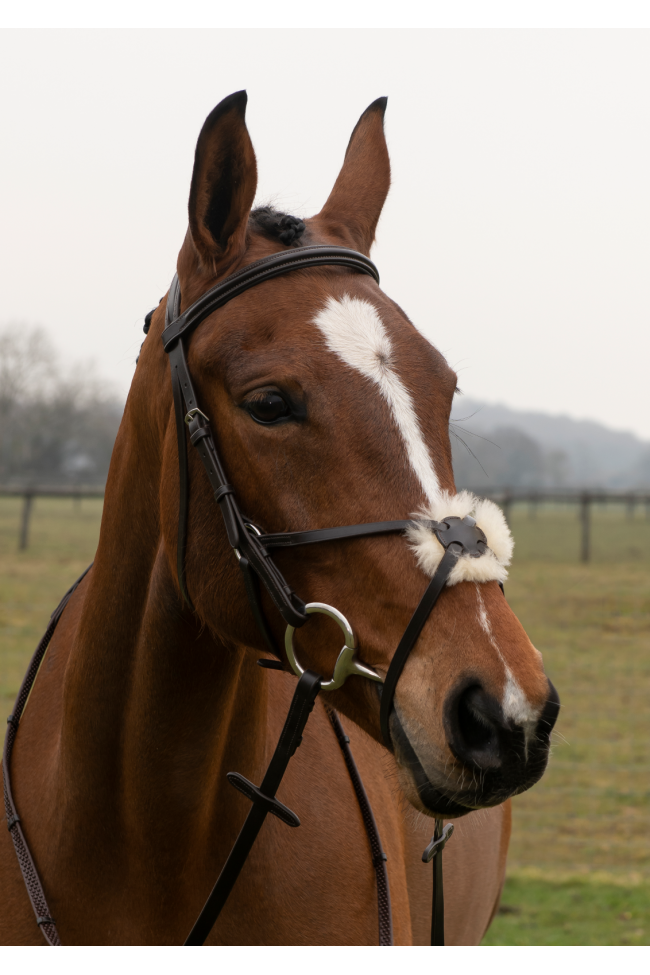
<point x="579" y="863"/>
<point x="571" y="912"/>
<point x="62" y="542"/>
<point x="551" y="533"/>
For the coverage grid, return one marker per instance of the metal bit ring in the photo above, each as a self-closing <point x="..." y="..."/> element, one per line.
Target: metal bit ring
<point x="346" y="663"/>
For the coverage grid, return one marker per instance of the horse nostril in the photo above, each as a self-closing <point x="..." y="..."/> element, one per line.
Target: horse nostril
<point x="474" y="719"/>
<point x="474" y="725"/>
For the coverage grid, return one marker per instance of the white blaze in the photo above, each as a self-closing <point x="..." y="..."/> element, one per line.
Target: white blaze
<point x="354" y="331"/>
<point x="515" y="704"/>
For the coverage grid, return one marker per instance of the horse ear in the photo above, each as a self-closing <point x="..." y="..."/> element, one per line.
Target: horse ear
<point x="355" y="203"/>
<point x="223" y="187"/>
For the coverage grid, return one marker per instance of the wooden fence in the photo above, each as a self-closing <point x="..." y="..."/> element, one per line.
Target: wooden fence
<point x="505" y="497"/>
<point x="29" y="493"/>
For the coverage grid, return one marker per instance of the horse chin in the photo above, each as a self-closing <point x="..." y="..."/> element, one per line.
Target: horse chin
<point x="444" y="803"/>
<point x="417" y="786"/>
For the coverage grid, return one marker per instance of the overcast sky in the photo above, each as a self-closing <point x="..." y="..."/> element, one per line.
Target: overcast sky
<point x="516" y="234"/>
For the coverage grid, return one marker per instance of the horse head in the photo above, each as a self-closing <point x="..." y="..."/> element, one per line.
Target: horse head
<point x="330" y="408"/>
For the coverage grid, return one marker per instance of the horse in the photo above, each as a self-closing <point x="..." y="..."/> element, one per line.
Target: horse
<point x="329" y="408"/>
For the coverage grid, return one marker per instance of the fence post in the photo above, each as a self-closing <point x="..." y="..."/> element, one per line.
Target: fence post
<point x="585" y="518"/>
<point x="631" y="504"/>
<point x="533" y="501"/>
<point x="28" y="499"/>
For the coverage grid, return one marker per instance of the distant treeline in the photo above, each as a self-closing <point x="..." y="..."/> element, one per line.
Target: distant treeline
<point x="55" y="428"/>
<point x="58" y="428"/>
<point x="507" y="457"/>
<point x="495" y="446"/>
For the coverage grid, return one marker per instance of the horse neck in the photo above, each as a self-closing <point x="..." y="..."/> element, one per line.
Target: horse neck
<point x="151" y="697"/>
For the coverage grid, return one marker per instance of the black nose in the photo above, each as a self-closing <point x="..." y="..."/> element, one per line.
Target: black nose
<point x="475" y="726"/>
<point x="481" y="736"/>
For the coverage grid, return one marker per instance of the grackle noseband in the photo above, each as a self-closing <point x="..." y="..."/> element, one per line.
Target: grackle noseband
<point x="252" y="549"/>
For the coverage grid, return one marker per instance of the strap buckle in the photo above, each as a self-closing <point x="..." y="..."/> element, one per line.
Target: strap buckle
<point x="253" y="530"/>
<point x="195" y="411"/>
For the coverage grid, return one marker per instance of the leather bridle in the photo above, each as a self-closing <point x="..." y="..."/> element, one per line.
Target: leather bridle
<point x="252" y="547"/>
<point x="253" y="551"/>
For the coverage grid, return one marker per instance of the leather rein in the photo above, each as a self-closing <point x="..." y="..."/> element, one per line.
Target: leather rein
<point x="252" y="549"/>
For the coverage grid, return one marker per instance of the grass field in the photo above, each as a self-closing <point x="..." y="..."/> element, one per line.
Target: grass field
<point x="579" y="865"/>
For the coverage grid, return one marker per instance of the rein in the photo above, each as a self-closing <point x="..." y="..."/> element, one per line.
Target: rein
<point x="252" y="549"/>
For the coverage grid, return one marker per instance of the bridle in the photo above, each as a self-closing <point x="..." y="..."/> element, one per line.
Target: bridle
<point x="252" y="549"/>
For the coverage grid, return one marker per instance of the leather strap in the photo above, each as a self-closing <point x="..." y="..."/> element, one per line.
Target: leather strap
<point x="27" y="866"/>
<point x="293" y="539"/>
<point x="411" y="634"/>
<point x="264" y="802"/>
<point x="172" y="312"/>
<point x="252" y="585"/>
<point x="434" y="852"/>
<point x="378" y="856"/>
<point x="438" y="903"/>
<point x="178" y="325"/>
<point x="243" y="541"/>
<point x="268" y="267"/>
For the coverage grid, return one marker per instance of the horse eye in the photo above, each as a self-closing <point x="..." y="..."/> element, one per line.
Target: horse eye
<point x="268" y="408"/>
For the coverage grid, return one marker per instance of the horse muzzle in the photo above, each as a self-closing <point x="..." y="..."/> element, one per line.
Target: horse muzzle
<point x="492" y="757"/>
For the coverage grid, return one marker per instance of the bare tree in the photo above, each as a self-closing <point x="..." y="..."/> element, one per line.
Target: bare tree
<point x="53" y="428"/>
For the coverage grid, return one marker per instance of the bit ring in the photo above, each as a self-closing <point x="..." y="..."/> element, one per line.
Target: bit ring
<point x="346" y="662"/>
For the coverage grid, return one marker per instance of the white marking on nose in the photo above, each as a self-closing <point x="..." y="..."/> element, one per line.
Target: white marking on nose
<point x="354" y="331"/>
<point x="514" y="702"/>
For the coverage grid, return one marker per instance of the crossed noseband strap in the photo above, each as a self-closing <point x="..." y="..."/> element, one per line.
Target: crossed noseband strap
<point x="252" y="549"/>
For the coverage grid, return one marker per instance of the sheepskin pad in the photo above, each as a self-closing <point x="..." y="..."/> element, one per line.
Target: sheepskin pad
<point x="429" y="552"/>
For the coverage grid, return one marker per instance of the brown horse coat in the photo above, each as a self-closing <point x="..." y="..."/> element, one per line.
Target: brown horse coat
<point x="142" y="705"/>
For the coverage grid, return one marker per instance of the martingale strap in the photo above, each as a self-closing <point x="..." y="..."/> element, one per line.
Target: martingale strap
<point x="264" y="802"/>
<point x="27" y="866"/>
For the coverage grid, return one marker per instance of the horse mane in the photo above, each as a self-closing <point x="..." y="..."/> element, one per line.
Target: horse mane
<point x="277" y="225"/>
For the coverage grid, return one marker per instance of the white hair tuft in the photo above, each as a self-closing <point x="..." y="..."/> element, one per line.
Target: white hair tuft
<point x="489" y="517"/>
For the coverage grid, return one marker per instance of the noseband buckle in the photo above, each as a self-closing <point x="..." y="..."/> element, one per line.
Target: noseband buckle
<point x="464" y="534"/>
<point x="346" y="663"/>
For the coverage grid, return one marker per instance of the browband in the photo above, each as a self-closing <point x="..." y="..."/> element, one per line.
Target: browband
<point x="247" y="277"/>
